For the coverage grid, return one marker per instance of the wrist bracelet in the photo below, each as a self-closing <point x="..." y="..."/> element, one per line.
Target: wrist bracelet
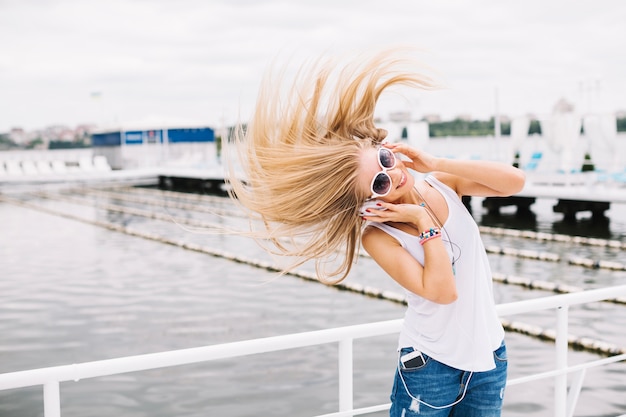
<point x="422" y="241"/>
<point x="429" y="234"/>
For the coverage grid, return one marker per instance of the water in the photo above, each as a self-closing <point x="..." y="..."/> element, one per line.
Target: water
<point x="72" y="292"/>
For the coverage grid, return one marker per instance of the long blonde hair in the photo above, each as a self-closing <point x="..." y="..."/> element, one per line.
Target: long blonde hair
<point x="300" y="153"/>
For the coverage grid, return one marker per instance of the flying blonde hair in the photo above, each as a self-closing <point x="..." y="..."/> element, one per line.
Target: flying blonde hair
<point x="299" y="156"/>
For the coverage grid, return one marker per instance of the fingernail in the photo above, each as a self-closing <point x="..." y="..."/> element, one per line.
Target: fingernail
<point x="367" y="210"/>
<point x="378" y="204"/>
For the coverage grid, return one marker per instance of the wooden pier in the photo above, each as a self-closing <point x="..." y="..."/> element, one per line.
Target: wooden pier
<point x="574" y="193"/>
<point x="207" y="183"/>
<point x="572" y="198"/>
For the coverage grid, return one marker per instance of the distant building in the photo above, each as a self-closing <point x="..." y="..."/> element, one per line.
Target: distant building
<point x="465" y="117"/>
<point x="432" y="118"/>
<point x="18" y="135"/>
<point x="83" y="131"/>
<point x="400" y="116"/>
<point x="140" y="146"/>
<point x="563" y="106"/>
<point x="57" y="132"/>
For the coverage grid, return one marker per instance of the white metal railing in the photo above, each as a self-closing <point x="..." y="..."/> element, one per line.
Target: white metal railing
<point x="51" y="377"/>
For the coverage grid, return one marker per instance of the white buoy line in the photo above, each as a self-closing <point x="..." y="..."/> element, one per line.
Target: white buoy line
<point x="497" y="231"/>
<point x="554" y="237"/>
<point x="201" y="208"/>
<point x="501" y="278"/>
<point x="552" y="257"/>
<point x="535" y="284"/>
<point x="520" y="253"/>
<point x="526" y="234"/>
<point x="530" y="330"/>
<point x="524" y="253"/>
<point x="579" y="343"/>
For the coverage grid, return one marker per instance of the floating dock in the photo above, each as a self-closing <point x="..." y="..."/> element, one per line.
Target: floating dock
<point x="194" y="181"/>
<point x="571" y="199"/>
<point x="573" y="193"/>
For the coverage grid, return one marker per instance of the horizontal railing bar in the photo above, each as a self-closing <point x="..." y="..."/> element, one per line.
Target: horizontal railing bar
<point x="148" y="361"/>
<point x="270" y="344"/>
<point x="511" y="382"/>
<point x="554" y="301"/>
<point x="358" y="411"/>
<point x="573" y="368"/>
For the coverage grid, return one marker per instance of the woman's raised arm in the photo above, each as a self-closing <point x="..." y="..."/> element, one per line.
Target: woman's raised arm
<point x="477" y="178"/>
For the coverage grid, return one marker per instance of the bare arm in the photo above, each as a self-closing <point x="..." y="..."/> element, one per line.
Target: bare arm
<point x="477" y="178"/>
<point x="435" y="280"/>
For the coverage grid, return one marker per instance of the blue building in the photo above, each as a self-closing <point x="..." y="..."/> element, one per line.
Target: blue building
<point x="146" y="136"/>
<point x="135" y="147"/>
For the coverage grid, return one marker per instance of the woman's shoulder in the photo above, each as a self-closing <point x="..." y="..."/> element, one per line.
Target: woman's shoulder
<point x="371" y="230"/>
<point x="442" y="178"/>
<point x="376" y="231"/>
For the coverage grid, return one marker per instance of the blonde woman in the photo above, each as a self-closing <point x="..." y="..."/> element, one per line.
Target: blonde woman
<point x="317" y="174"/>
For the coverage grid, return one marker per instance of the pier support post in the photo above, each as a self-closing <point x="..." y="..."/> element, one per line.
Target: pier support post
<point x="569" y="208"/>
<point x="199" y="184"/>
<point x="493" y="204"/>
<point x="467" y="202"/>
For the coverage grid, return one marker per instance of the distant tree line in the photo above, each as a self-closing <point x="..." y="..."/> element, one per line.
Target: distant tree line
<point x="63" y="144"/>
<point x="6" y="143"/>
<point x="459" y="127"/>
<point x="456" y="127"/>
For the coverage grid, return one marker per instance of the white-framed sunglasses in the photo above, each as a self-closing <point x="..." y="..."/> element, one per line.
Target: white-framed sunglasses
<point x="381" y="183"/>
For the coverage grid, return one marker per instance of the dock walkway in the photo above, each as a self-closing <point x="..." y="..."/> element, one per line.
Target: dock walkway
<point x="575" y="193"/>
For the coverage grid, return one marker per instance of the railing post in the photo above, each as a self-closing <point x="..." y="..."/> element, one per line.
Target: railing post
<point x="51" y="399"/>
<point x="345" y="375"/>
<point x="574" y="391"/>
<point x="561" y="349"/>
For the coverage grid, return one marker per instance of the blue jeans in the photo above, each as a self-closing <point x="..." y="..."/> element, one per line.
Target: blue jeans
<point x="438" y="390"/>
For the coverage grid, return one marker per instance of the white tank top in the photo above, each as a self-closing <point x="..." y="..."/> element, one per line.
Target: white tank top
<point x="465" y="333"/>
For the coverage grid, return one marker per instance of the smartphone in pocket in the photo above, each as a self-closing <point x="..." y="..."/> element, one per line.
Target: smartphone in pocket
<point x="412" y="360"/>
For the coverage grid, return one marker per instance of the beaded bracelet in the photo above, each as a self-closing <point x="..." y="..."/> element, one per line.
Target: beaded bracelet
<point x="429" y="234"/>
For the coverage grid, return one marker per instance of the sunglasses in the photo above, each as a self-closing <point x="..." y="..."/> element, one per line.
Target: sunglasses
<point x="381" y="184"/>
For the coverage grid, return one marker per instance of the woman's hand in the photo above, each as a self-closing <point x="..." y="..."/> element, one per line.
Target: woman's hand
<point x="419" y="161"/>
<point x="401" y="213"/>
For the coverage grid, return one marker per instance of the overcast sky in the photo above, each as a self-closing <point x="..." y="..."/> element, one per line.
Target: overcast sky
<point x="201" y="60"/>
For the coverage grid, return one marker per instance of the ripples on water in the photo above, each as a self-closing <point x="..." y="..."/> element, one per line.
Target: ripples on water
<point x="73" y="292"/>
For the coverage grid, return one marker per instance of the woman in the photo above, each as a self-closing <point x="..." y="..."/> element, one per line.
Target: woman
<point x="311" y="159"/>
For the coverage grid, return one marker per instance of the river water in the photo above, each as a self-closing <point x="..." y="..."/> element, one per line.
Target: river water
<point x="71" y="291"/>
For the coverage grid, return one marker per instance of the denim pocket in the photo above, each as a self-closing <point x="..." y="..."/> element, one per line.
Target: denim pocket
<point x="500" y="353"/>
<point x="406" y="350"/>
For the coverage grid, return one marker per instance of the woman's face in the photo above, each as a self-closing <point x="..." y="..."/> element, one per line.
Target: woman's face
<point x="401" y="180"/>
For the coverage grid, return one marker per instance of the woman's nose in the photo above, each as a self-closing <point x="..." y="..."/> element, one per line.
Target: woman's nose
<point x="395" y="173"/>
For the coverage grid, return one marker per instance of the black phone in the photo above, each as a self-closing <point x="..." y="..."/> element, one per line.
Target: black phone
<point x="412" y="360"/>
